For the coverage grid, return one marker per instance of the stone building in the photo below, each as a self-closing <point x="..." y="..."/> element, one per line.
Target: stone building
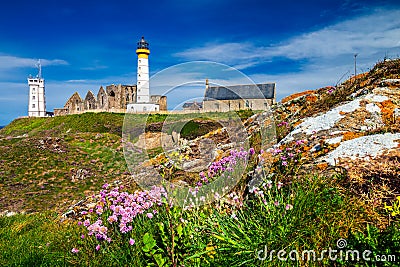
<point x="192" y="106"/>
<point x="115" y="98"/>
<point x="237" y="97"/>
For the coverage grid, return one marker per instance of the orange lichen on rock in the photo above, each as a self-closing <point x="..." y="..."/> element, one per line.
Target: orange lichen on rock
<point x="311" y="98"/>
<point x="322" y="166"/>
<point x="351" y="135"/>
<point x="297" y="123"/>
<point x="387" y="108"/>
<point x="291" y="97"/>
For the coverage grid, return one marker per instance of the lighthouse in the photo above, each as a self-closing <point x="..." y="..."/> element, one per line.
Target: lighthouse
<point x="143" y="103"/>
<point x="143" y="85"/>
<point x="37" y="101"/>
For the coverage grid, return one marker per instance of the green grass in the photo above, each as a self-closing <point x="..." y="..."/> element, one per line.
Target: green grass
<point x="208" y="236"/>
<point x="35" y="240"/>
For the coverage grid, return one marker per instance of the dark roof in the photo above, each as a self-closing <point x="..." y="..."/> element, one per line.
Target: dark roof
<point x="248" y="91"/>
<point x="192" y="104"/>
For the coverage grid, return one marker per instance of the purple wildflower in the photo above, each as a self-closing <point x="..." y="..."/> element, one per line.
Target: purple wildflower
<point x="251" y="151"/>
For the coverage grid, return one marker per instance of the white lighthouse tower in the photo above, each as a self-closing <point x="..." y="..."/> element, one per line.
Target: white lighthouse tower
<point x="143" y="103"/>
<point x="143" y="85"/>
<point x="37" y="101"/>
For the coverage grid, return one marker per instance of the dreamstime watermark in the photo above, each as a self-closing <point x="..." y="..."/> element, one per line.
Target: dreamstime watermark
<point x="178" y="83"/>
<point x="338" y="254"/>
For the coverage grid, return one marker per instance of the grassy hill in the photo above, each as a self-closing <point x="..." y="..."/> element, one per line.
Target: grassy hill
<point x="49" y="163"/>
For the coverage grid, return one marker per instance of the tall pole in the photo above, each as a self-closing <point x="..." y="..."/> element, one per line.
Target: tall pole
<point x="355" y="65"/>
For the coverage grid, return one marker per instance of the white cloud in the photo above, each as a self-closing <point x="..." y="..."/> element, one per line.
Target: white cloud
<point x="370" y="33"/>
<point x="11" y="62"/>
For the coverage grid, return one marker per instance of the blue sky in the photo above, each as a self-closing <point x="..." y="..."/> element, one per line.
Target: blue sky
<point x="85" y="44"/>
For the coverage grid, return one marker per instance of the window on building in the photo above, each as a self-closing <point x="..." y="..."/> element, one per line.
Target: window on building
<point x="33" y="105"/>
<point x="33" y="97"/>
<point x="144" y="109"/>
<point x="247" y="103"/>
<point x="33" y="89"/>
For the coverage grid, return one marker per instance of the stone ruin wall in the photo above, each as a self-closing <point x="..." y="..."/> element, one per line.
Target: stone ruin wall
<point x="114" y="98"/>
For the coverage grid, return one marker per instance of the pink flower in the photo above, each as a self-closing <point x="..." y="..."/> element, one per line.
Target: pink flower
<point x="99" y="210"/>
<point x="80" y="223"/>
<point x="279" y="185"/>
<point x="149" y="215"/>
<point x="284" y="163"/>
<point x="98" y="247"/>
<point x="251" y="151"/>
<point x="276" y="203"/>
<point x="288" y="207"/>
<point x="82" y="236"/>
<point x="112" y="219"/>
<point x="131" y="241"/>
<point x="75" y="250"/>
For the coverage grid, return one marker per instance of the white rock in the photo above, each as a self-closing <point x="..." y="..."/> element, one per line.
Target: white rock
<point x="334" y="140"/>
<point x="372" y="108"/>
<point x="324" y="121"/>
<point x="362" y="147"/>
<point x="376" y="98"/>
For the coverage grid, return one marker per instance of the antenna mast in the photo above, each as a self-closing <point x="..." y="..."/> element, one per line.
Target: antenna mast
<point x="355" y="65"/>
<point x="39" y="69"/>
